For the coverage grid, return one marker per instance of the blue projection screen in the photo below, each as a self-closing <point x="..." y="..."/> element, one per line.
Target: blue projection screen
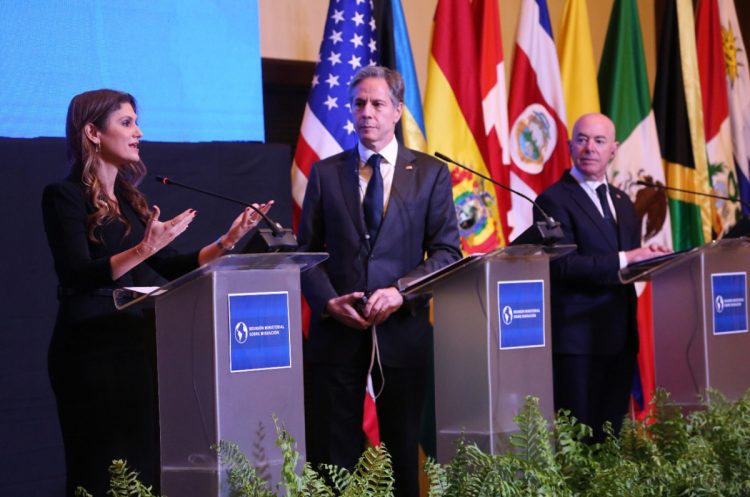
<point x="192" y="65"/>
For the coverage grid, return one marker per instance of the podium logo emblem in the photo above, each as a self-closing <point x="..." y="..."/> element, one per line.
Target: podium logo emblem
<point x="520" y="314"/>
<point x="729" y="296"/>
<point x="240" y="332"/>
<point x="507" y="315"/>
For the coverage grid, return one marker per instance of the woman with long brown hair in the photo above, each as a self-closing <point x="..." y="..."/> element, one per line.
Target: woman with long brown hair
<point x="103" y="236"/>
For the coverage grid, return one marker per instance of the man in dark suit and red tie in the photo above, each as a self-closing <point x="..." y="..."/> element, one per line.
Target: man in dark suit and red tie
<point x="383" y="212"/>
<point x="594" y="327"/>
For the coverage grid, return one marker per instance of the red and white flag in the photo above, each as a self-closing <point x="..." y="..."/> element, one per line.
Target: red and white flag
<point x="494" y="103"/>
<point x="721" y="171"/>
<point x="538" y="141"/>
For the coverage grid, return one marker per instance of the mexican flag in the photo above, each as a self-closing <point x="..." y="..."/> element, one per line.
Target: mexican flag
<point x="624" y="97"/>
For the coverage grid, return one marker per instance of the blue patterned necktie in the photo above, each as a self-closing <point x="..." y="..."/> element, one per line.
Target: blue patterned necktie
<point x="373" y="202"/>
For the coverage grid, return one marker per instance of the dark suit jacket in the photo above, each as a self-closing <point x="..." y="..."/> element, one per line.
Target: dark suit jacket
<point x="592" y="312"/>
<point x="420" y="220"/>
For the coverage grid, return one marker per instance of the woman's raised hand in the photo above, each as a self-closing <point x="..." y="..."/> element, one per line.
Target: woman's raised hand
<point x="160" y="234"/>
<point x="247" y="220"/>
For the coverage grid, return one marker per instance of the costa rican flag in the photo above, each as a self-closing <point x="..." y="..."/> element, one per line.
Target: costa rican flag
<point x="349" y="43"/>
<point x="536" y="113"/>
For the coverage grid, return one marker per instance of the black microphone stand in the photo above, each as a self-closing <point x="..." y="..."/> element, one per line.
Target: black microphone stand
<point x="740" y="228"/>
<point x="700" y="194"/>
<point x="275" y="239"/>
<point x="547" y="232"/>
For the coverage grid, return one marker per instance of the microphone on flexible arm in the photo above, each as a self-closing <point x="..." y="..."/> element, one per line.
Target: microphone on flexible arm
<point x="547" y="232"/>
<point x="741" y="228"/>
<point x="700" y="194"/>
<point x="275" y="239"/>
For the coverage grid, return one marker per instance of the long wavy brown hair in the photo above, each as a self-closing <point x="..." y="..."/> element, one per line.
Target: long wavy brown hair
<point x="95" y="107"/>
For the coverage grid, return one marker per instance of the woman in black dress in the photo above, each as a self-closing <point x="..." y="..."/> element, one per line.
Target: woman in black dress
<point x="103" y="236"/>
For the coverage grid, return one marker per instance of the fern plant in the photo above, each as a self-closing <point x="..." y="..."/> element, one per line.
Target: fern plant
<point x="123" y="482"/>
<point x="530" y="469"/>
<point x="372" y="476"/>
<point x="705" y="453"/>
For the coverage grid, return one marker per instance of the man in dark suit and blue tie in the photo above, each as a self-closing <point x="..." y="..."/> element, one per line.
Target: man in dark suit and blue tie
<point x="594" y="327"/>
<point x="383" y="212"/>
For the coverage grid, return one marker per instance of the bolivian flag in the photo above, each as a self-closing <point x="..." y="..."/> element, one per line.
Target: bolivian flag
<point x="455" y="121"/>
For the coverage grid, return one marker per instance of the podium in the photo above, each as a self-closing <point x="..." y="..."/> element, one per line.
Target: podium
<point x="700" y="319"/>
<point x="229" y="348"/>
<point x="492" y="343"/>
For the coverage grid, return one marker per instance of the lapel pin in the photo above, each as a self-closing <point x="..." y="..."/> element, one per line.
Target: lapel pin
<point x="409" y="167"/>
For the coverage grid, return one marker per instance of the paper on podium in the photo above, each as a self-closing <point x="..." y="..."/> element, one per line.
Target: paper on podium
<point x="130" y="295"/>
<point x="126" y="297"/>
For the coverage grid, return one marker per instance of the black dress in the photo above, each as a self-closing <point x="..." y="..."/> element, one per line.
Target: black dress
<point x="102" y="362"/>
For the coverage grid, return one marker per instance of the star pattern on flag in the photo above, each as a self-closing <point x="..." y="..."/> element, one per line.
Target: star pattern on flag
<point x="355" y="62"/>
<point x="331" y="102"/>
<point x="332" y="80"/>
<point x="334" y="58"/>
<point x="348" y="44"/>
<point x="335" y="37"/>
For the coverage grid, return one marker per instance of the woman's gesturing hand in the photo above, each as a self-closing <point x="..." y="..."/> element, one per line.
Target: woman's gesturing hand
<point x="160" y="234"/>
<point x="247" y="220"/>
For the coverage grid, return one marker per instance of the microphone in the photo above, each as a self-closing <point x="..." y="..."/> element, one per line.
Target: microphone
<point x="650" y="184"/>
<point x="547" y="232"/>
<point x="275" y="239"/>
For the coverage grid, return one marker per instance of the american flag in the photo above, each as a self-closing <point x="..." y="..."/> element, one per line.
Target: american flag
<point x="349" y="43"/>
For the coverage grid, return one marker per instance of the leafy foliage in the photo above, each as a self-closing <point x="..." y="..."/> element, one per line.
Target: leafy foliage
<point x="372" y="477"/>
<point x="123" y="482"/>
<point x="705" y="453"/>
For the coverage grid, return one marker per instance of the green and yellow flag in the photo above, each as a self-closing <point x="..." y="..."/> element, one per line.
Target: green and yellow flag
<point x="679" y="121"/>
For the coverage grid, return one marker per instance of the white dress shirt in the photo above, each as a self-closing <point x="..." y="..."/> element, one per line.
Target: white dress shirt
<point x="387" y="166"/>
<point x="590" y="187"/>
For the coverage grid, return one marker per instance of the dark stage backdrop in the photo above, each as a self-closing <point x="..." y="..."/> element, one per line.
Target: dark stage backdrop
<point x="31" y="456"/>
